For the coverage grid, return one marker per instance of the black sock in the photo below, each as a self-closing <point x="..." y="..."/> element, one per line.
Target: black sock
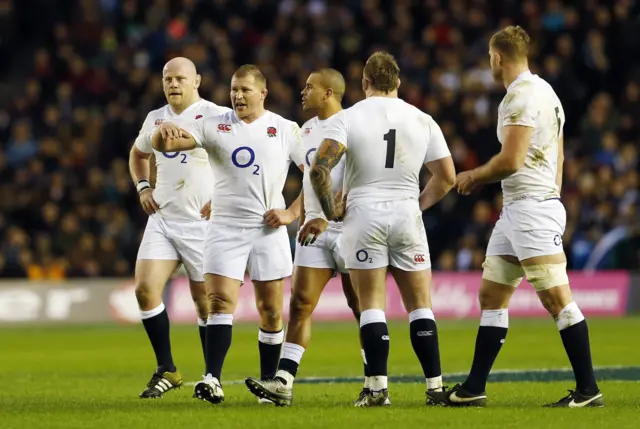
<point x="576" y="343"/>
<point x="424" y="339"/>
<point x="269" y="346"/>
<point x="375" y="341"/>
<point x="157" y="328"/>
<point x="491" y="336"/>
<point x="202" y="330"/>
<point x="288" y="365"/>
<point x="218" y="341"/>
<point x="367" y="373"/>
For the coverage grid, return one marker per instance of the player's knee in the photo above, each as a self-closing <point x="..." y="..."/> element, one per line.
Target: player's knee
<point x="300" y="306"/>
<point x="219" y="303"/>
<point x="202" y="306"/>
<point x="147" y="295"/>
<point x="270" y="314"/>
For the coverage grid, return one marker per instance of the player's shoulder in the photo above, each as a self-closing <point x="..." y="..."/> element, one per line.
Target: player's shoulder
<point x="213" y="109"/>
<point x="310" y="123"/>
<point x="279" y="119"/>
<point x="159" y="113"/>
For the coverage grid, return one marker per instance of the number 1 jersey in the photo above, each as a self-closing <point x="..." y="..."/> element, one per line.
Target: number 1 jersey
<point x="388" y="141"/>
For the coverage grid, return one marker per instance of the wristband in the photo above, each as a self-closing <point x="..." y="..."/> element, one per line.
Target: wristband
<point x="142" y="184"/>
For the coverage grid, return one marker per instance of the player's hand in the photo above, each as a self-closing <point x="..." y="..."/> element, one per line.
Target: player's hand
<point x="275" y="218"/>
<point x="465" y="182"/>
<point x="205" y="212"/>
<point x="311" y="230"/>
<point x="171" y="131"/>
<point x="148" y="203"/>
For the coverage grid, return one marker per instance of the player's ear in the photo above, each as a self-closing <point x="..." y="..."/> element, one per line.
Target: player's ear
<point x="399" y="82"/>
<point x="263" y="93"/>
<point x="365" y="84"/>
<point x="196" y="83"/>
<point x="328" y="93"/>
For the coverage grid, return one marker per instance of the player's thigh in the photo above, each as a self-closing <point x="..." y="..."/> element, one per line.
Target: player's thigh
<point x="351" y="294"/>
<point x="501" y="276"/>
<point x="151" y="276"/>
<point x="308" y="284"/>
<point x="189" y="241"/>
<point x="200" y="299"/>
<point x="371" y="286"/>
<point x="548" y="276"/>
<point x="157" y="259"/>
<point x="414" y="287"/>
<point x="227" y="249"/>
<point x="270" y="257"/>
<point x="222" y="293"/>
<point x="408" y="247"/>
<point x="364" y="240"/>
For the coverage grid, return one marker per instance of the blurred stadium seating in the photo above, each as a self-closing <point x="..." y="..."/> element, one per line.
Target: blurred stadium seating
<point x="78" y="78"/>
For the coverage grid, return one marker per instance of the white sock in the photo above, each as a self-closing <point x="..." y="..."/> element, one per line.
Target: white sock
<point x="148" y="314"/>
<point x="271" y="338"/>
<point x="569" y="316"/>
<point x="292" y="352"/>
<point x="378" y="382"/>
<point x="367" y="382"/>
<point x="220" y="319"/>
<point x="202" y="323"/>
<point x="434" y="383"/>
<point x="495" y="318"/>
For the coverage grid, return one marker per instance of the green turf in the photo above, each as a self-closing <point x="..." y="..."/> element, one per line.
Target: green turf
<point x="71" y="377"/>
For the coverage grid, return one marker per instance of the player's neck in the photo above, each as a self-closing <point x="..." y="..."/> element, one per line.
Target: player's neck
<point x="178" y="109"/>
<point x="328" y="111"/>
<point x="252" y="117"/>
<point x="373" y="93"/>
<point x="511" y="74"/>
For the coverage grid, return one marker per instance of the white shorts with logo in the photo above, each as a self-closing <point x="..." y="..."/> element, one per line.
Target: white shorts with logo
<point x="387" y="233"/>
<point x="528" y="228"/>
<point x="265" y="251"/>
<point x="165" y="239"/>
<point x="324" y="253"/>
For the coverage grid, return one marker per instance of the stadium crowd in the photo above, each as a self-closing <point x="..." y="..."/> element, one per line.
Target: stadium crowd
<point x="82" y="75"/>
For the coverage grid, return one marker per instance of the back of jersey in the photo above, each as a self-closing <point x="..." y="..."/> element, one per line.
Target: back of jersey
<point x="387" y="141"/>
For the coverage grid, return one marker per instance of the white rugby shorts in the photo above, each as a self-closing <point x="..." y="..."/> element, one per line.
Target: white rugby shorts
<point x="528" y="228"/>
<point x="324" y="253"/>
<point x="165" y="239"/>
<point x="265" y="251"/>
<point x="386" y="233"/>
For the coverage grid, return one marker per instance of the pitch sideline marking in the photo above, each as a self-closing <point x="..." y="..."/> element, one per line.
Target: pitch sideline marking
<point x="608" y="373"/>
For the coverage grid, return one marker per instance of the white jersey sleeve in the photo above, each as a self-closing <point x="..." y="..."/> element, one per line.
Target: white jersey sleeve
<point x="519" y="108"/>
<point x="297" y="152"/>
<point x="437" y="148"/>
<point x="337" y="128"/>
<point x="143" y="141"/>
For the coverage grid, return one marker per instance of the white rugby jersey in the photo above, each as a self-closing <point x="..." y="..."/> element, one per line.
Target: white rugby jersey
<point x="312" y="135"/>
<point x="531" y="102"/>
<point x="184" y="181"/>
<point x="388" y="141"/>
<point x="250" y="163"/>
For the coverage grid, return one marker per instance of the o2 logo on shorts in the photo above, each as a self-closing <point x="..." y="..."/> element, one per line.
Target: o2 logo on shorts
<point x="172" y="155"/>
<point x="243" y="157"/>
<point x="308" y="156"/>
<point x="557" y="240"/>
<point x="419" y="258"/>
<point x="362" y="256"/>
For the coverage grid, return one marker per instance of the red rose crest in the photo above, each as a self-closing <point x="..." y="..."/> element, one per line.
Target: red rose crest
<point x="271" y="131"/>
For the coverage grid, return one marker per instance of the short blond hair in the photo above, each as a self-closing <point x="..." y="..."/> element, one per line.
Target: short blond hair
<point x="512" y="42"/>
<point x="382" y="71"/>
<point x="251" y="70"/>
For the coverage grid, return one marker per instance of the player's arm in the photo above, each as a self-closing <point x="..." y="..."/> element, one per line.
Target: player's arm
<point x="510" y="159"/>
<point x="140" y="168"/>
<point x="443" y="176"/>
<point x="327" y="157"/>
<point x="560" y="164"/>
<point x="170" y="138"/>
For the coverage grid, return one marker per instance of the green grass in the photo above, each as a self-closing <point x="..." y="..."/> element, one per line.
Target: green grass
<point x="86" y="377"/>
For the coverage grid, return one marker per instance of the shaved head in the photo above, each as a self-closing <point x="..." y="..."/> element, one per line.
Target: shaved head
<point x="332" y="79"/>
<point x="180" y="82"/>
<point x="182" y="64"/>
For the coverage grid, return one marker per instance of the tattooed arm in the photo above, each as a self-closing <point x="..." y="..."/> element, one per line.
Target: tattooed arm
<point x="327" y="157"/>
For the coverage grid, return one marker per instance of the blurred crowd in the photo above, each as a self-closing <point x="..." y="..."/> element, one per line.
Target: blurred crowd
<point x="79" y="77"/>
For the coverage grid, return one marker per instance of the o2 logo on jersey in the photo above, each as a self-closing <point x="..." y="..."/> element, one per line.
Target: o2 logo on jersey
<point x="172" y="155"/>
<point x="362" y="256"/>
<point x="271" y="131"/>
<point x="243" y="157"/>
<point x="308" y="156"/>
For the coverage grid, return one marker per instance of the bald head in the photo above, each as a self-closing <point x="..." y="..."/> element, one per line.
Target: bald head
<point x="180" y="82"/>
<point x="332" y="79"/>
<point x="181" y="64"/>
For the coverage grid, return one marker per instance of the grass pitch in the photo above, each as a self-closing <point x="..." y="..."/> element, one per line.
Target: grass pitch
<point x="89" y="377"/>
